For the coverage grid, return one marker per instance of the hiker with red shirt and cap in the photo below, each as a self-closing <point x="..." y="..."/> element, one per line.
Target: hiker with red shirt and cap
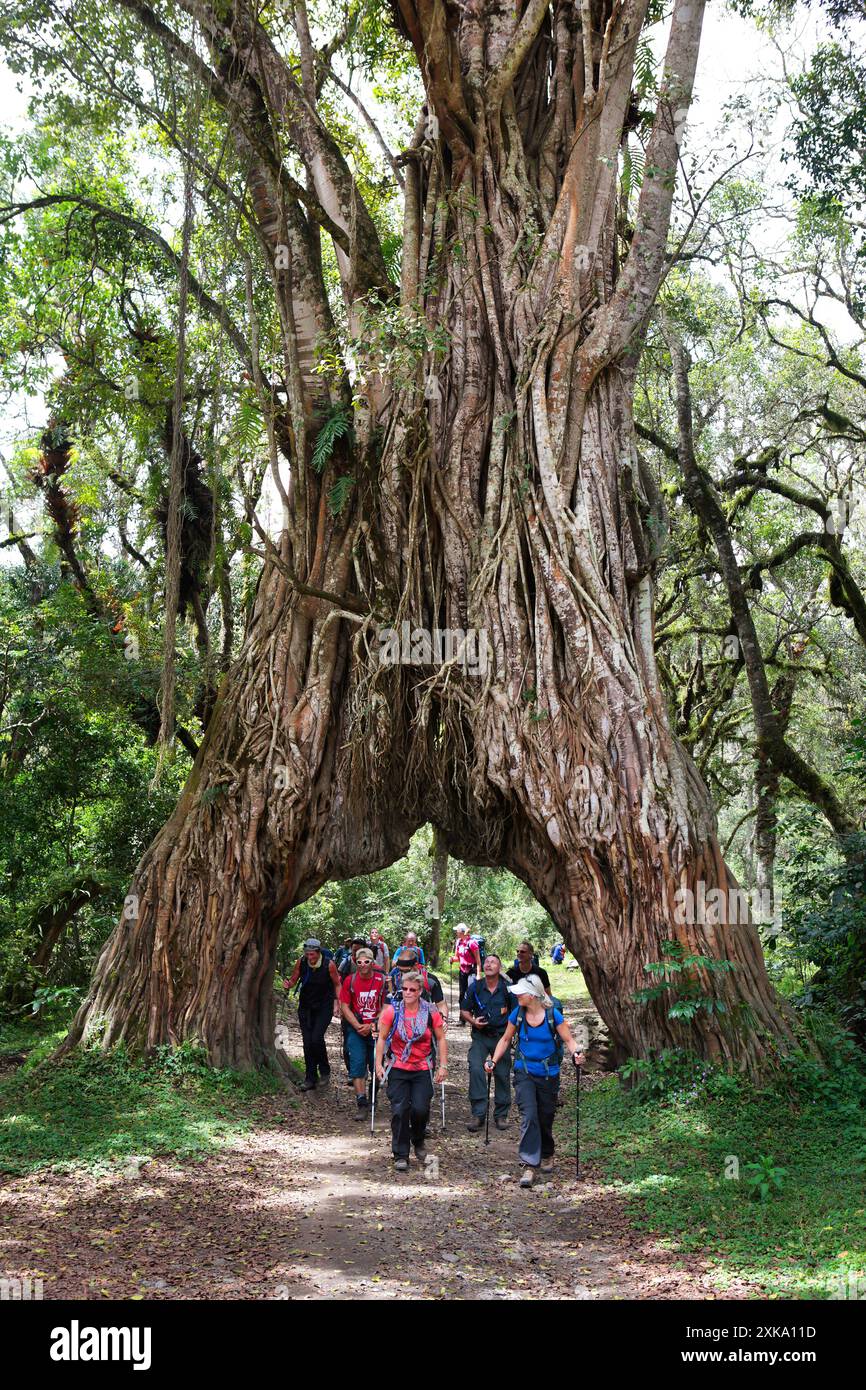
<point x="361" y="999"/>
<point x="468" y="958"/>
<point x="406" y="1032"/>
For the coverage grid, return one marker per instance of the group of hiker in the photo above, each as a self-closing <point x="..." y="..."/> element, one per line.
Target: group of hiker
<point x="394" y="1017"/>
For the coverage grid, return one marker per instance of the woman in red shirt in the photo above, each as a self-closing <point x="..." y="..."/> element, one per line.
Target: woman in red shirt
<point x="408" y="1033"/>
<point x="468" y="958"/>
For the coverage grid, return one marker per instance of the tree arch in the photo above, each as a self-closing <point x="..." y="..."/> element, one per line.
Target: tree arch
<point x="488" y="486"/>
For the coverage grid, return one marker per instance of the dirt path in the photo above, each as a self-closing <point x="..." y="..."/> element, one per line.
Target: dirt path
<point x="307" y="1206"/>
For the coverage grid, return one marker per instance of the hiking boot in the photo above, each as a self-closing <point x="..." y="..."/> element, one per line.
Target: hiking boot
<point x="547" y="1164"/>
<point x="324" y="1077"/>
<point x="476" y="1123"/>
<point x="420" y="1153"/>
<point x="362" y="1108"/>
<point x="527" y="1177"/>
<point x="500" y="1121"/>
<point x="401" y="1165"/>
<point x="307" y="1085"/>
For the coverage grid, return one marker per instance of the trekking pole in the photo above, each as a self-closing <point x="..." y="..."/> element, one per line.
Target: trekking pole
<point x="373" y="1106"/>
<point x="443" y="1107"/>
<point x="577" y="1129"/>
<point x="487" y="1121"/>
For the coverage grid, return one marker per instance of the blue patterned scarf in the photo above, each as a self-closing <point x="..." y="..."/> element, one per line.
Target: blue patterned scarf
<point x="419" y="1023"/>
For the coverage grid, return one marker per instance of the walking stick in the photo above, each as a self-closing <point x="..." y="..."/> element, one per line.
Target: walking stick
<point x="487" y="1121"/>
<point x="443" y="1107"/>
<point x="373" y="1106"/>
<point x="577" y="1129"/>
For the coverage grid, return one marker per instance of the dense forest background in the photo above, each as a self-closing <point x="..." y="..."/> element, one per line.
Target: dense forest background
<point x="751" y="415"/>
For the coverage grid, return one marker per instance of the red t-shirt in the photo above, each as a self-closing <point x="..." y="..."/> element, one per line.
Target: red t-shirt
<point x="420" y="1049"/>
<point x="364" y="997"/>
<point x="465" y="950"/>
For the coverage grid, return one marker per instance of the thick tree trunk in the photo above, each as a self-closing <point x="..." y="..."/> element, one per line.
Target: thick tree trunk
<point x="497" y="492"/>
<point x="273" y="808"/>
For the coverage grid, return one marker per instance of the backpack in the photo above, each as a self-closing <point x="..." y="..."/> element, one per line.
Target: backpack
<point x="306" y="972"/>
<point x="380" y="950"/>
<point x="558" y="1044"/>
<point x="479" y="942"/>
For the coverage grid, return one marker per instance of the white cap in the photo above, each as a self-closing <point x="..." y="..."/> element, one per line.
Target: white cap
<point x="520" y="988"/>
<point x="531" y="984"/>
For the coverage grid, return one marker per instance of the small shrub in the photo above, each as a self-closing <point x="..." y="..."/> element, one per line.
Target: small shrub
<point x="764" y="1178"/>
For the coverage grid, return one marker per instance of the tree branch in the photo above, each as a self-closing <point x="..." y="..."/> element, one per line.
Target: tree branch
<point x="620" y="323"/>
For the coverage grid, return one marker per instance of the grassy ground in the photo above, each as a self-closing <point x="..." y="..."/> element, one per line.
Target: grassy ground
<point x="675" y="1160"/>
<point x="96" y="1111"/>
<point x="567" y="984"/>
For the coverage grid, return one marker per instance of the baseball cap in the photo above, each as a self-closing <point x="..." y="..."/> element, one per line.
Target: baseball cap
<point x="530" y="985"/>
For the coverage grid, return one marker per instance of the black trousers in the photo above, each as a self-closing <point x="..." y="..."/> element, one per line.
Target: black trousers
<point x="410" y="1094"/>
<point x="314" y="1020"/>
<point x="536" y="1100"/>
